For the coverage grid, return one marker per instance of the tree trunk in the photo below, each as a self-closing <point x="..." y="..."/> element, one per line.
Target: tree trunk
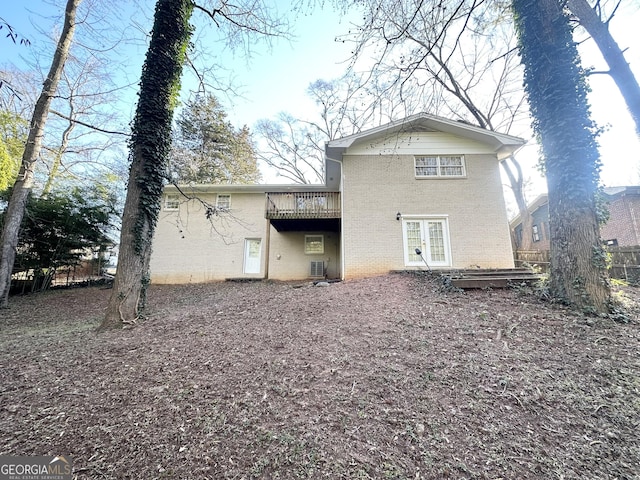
<point x="517" y="187"/>
<point x="24" y="182"/>
<point x="558" y="100"/>
<point x="149" y="151"/>
<point x="619" y="69"/>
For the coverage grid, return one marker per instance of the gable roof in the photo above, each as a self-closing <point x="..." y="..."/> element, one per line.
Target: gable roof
<point x="539" y="202"/>
<point x="619" y="191"/>
<point x="502" y="144"/>
<point x="543" y="199"/>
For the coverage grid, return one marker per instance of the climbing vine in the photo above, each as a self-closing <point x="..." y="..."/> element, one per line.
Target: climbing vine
<point x="149" y="146"/>
<point x="558" y="98"/>
<point x="556" y="87"/>
<point x="159" y="91"/>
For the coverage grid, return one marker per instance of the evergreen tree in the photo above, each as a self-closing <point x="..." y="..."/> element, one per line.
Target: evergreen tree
<point x="60" y="229"/>
<point x="208" y="149"/>
<point x="12" y="138"/>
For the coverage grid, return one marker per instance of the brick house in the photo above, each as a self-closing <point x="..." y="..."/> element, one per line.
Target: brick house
<point x="424" y="183"/>
<point x="540" y="238"/>
<point x="622" y="229"/>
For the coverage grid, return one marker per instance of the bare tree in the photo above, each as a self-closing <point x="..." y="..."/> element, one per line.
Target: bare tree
<point x="294" y="147"/>
<point x="24" y="183"/>
<point x="593" y="21"/>
<point x="289" y="148"/>
<point x="82" y="133"/>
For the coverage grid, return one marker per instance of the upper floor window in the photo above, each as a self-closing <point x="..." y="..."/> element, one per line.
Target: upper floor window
<point x="536" y="233"/>
<point x="439" y="166"/>
<point x="172" y="202"/>
<point x="223" y="202"/>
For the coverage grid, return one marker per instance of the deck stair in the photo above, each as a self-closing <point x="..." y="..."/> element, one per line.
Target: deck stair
<point x="493" y="278"/>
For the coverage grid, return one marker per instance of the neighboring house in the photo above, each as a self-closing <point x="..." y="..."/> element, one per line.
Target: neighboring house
<point x="423" y="183"/>
<point x="622" y="229"/>
<point x="539" y="233"/>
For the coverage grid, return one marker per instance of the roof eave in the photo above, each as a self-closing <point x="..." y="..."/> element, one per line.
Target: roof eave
<point x="504" y="145"/>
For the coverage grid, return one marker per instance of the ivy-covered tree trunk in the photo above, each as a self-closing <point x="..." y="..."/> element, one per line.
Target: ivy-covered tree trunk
<point x="557" y="93"/>
<point x="149" y="151"/>
<point x="24" y="183"/>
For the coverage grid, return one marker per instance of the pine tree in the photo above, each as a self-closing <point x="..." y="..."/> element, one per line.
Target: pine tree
<point x="208" y="149"/>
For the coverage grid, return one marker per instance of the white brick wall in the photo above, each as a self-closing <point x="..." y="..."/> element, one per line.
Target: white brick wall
<point x="289" y="262"/>
<point x="377" y="182"/>
<point x="188" y="248"/>
<point x="376" y="187"/>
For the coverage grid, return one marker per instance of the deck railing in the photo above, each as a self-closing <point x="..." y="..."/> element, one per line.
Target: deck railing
<point x="303" y="205"/>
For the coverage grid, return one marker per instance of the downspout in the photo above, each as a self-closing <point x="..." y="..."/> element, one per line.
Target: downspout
<point x="630" y="207"/>
<point x="342" y="252"/>
<point x="335" y="154"/>
<point x="267" y="244"/>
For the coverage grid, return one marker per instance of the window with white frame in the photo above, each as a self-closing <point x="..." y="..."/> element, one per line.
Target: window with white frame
<point x="172" y="202"/>
<point x="223" y="201"/>
<point x="536" y="233"/>
<point x="314" y="244"/>
<point x="431" y="166"/>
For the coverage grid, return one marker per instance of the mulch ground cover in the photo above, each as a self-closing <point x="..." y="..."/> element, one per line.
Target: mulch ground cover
<point x="393" y="377"/>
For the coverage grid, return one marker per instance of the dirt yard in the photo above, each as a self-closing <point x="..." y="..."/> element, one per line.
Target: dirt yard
<point x="384" y="378"/>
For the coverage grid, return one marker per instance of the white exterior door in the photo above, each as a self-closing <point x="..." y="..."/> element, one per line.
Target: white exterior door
<point x="252" y="250"/>
<point x="431" y="236"/>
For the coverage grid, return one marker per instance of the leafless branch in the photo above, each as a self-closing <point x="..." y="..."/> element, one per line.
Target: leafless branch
<point x="84" y="124"/>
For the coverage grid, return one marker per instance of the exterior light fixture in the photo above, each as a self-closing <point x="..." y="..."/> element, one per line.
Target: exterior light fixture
<point x="398" y="216"/>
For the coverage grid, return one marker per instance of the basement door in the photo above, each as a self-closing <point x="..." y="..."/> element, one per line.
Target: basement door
<point x="431" y="236"/>
<point x="252" y="249"/>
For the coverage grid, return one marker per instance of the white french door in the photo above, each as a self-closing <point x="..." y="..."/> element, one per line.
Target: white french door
<point x="431" y="237"/>
<point x="252" y="250"/>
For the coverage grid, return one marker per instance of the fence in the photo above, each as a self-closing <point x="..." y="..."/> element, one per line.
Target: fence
<point x="538" y="259"/>
<point x="625" y="261"/>
<point x="30" y="281"/>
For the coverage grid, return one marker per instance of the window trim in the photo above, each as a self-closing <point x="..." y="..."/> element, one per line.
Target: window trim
<point x="228" y="203"/>
<point x="535" y="232"/>
<point x="321" y="237"/>
<point x="172" y="202"/>
<point x="439" y="167"/>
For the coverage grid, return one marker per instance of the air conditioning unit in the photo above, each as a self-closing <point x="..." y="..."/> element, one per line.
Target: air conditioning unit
<point x="317" y="269"/>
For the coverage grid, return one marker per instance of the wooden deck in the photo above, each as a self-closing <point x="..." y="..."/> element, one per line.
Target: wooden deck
<point x="302" y="205"/>
<point x="498" y="278"/>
